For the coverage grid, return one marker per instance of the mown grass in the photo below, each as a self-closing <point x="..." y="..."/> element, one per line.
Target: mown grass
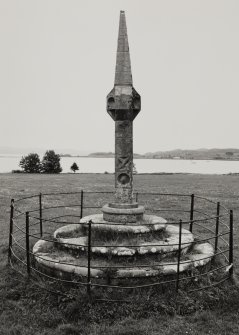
<point x="27" y="309"/>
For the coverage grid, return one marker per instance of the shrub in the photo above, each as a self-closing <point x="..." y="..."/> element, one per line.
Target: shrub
<point x="74" y="167"/>
<point x="17" y="171"/>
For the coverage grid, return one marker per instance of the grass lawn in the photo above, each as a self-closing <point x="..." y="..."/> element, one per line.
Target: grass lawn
<point x="26" y="309"/>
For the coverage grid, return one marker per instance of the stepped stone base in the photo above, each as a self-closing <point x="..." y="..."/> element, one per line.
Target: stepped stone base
<point x="128" y="248"/>
<point x="51" y="260"/>
<point x="136" y="247"/>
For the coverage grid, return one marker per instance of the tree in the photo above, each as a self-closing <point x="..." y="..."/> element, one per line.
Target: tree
<point x="51" y="162"/>
<point x="134" y="169"/>
<point x="74" y="167"/>
<point x="31" y="163"/>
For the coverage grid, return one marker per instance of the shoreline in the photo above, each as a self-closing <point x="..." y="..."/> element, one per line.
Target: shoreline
<point x="143" y="166"/>
<point x="135" y="158"/>
<point x="112" y="173"/>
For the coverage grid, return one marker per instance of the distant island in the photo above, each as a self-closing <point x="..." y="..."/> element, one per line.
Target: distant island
<point x="68" y="155"/>
<point x="199" y="154"/>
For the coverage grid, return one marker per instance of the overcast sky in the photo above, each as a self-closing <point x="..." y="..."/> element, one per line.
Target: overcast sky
<point x="58" y="60"/>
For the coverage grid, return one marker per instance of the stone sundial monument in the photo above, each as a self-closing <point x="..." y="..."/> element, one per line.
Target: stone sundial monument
<point x="123" y="105"/>
<point x="125" y="238"/>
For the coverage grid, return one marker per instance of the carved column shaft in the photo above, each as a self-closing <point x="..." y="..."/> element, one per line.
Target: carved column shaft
<point x="123" y="161"/>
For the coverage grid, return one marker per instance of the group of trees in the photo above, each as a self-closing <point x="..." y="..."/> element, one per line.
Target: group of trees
<point x="50" y="163"/>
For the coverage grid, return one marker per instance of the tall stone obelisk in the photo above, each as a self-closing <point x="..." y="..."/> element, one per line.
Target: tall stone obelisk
<point x="123" y="105"/>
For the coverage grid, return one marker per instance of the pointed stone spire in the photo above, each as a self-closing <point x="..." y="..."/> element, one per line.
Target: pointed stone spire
<point x="123" y="75"/>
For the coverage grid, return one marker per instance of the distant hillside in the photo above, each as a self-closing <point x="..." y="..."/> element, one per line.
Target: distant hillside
<point x="222" y="154"/>
<point x="101" y="154"/>
<point x="110" y="154"/>
<point x="228" y="153"/>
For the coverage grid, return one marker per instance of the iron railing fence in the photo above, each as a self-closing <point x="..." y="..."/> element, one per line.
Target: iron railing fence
<point x="36" y="217"/>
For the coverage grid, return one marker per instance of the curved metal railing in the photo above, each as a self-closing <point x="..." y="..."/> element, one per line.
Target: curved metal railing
<point x="36" y="217"/>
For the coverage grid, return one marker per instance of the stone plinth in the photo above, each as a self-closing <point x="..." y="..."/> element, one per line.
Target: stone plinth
<point x="123" y="214"/>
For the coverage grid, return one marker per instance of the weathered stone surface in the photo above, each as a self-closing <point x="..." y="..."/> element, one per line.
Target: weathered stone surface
<point x="123" y="161"/>
<point x="201" y="255"/>
<point x="73" y="228"/>
<point x="124" y="215"/>
<point x="152" y="223"/>
<point x="63" y="264"/>
<point x="148" y="224"/>
<point x="123" y="76"/>
<point x="123" y="104"/>
<point x="124" y="205"/>
<point x="123" y="91"/>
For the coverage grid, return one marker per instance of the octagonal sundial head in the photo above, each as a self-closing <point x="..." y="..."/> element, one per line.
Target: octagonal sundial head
<point x="123" y="103"/>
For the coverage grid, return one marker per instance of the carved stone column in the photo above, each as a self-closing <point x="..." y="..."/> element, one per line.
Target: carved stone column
<point x="123" y="105"/>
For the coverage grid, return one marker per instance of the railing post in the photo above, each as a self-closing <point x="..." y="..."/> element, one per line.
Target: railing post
<point x="217" y="226"/>
<point x="191" y="213"/>
<point x="40" y="213"/>
<point x="28" y="245"/>
<point x="231" y="245"/>
<point x="10" y="231"/>
<point x="179" y="254"/>
<point x="89" y="259"/>
<point x="81" y="204"/>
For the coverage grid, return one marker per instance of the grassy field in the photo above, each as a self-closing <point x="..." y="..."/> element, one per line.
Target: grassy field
<point x="26" y="309"/>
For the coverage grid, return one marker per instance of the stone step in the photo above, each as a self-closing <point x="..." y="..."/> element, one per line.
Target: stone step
<point x="149" y="223"/>
<point x="62" y="264"/>
<point x="74" y="237"/>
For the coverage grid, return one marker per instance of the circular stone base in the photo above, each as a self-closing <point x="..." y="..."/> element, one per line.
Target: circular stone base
<point x="138" y="246"/>
<point x="61" y="264"/>
<point x="125" y="215"/>
<point x="147" y="224"/>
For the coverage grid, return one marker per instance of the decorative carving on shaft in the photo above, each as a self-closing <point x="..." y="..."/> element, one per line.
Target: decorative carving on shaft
<point x="123" y="161"/>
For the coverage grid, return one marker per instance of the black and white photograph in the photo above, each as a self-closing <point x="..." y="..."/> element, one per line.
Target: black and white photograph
<point x="119" y="167"/>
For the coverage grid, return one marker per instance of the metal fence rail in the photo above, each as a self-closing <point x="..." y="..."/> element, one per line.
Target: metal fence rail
<point x="210" y="222"/>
